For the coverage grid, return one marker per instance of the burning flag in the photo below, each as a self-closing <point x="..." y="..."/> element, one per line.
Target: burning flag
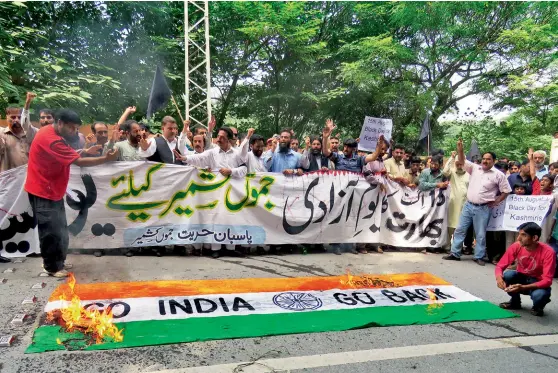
<point x="434" y="302"/>
<point x="161" y="312"/>
<point x="72" y="316"/>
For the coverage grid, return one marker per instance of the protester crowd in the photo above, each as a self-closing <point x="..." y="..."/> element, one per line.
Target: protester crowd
<point x="477" y="185"/>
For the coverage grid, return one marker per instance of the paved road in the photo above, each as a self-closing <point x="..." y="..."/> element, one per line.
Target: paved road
<point x="525" y="344"/>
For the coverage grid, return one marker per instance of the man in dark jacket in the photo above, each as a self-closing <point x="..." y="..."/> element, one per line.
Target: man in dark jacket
<point x="312" y="157"/>
<point x="161" y="149"/>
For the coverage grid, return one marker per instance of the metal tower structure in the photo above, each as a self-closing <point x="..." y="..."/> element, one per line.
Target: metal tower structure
<point x="196" y="64"/>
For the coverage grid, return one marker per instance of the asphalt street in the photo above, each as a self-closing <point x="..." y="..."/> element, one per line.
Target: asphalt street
<point x="524" y="344"/>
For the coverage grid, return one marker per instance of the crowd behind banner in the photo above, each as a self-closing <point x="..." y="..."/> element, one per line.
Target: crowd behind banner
<point x="477" y="189"/>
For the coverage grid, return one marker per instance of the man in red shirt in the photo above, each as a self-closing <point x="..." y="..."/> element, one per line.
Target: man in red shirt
<point x="48" y="173"/>
<point x="536" y="263"/>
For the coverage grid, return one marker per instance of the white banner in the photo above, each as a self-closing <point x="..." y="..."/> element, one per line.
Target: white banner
<point x="141" y="204"/>
<point x="371" y="130"/>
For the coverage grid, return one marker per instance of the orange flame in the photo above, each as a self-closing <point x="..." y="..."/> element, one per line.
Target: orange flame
<point x="434" y="302"/>
<point x="366" y="281"/>
<point x="72" y="316"/>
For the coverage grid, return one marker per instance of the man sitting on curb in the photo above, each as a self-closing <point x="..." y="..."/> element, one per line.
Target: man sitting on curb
<point x="536" y="263"/>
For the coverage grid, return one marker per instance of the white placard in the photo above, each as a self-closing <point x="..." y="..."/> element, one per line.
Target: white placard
<point x="524" y="209"/>
<point x="517" y="210"/>
<point x="371" y="130"/>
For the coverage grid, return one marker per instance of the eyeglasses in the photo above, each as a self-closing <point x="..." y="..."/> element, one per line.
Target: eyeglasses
<point x="15" y="117"/>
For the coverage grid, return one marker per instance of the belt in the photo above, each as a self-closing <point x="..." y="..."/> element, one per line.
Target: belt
<point x="477" y="204"/>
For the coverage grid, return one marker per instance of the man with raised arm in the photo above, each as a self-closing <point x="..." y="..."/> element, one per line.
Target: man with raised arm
<point x="487" y="188"/>
<point x="349" y="160"/>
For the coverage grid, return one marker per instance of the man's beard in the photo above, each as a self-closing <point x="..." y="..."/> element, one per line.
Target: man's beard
<point x="134" y="140"/>
<point x="16" y="127"/>
<point x="539" y="165"/>
<point x="284" y="147"/>
<point x="316" y="152"/>
<point x="71" y="138"/>
<point x="459" y="171"/>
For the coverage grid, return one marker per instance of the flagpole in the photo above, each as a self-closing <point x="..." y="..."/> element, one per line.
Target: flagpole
<point x="177" y="109"/>
<point x="186" y="57"/>
<point x="428" y="144"/>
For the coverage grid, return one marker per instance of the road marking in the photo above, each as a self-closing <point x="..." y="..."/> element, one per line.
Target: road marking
<point x="363" y="356"/>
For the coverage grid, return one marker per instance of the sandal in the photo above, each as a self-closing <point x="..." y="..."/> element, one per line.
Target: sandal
<point x="510" y="306"/>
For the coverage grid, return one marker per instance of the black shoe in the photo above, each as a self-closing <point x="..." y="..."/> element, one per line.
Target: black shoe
<point x="479" y="262"/>
<point x="537" y="312"/>
<point x="129" y="253"/>
<point x="4" y="260"/>
<point x="237" y="253"/>
<point x="451" y="257"/>
<point x="98" y="253"/>
<point x="215" y="255"/>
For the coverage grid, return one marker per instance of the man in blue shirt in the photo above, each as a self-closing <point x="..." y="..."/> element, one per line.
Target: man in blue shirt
<point x="348" y="160"/>
<point x="285" y="159"/>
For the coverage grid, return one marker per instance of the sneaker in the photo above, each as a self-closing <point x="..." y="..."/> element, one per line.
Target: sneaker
<point x="129" y="253"/>
<point x="451" y="257"/>
<point x="479" y="262"/>
<point x="353" y="251"/>
<point x="379" y="250"/>
<point x="215" y="254"/>
<point x="337" y="250"/>
<point x="60" y="274"/>
<point x="98" y="253"/>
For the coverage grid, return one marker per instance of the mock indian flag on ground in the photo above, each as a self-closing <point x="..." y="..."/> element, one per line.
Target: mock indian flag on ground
<point x="161" y="312"/>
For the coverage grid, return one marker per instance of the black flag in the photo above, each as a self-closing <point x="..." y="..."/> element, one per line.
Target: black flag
<point x="160" y="93"/>
<point x="474" y="151"/>
<point x="424" y="133"/>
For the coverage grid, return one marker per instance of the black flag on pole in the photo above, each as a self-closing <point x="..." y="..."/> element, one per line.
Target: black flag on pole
<point x="424" y="133"/>
<point x="474" y="151"/>
<point x="160" y="93"/>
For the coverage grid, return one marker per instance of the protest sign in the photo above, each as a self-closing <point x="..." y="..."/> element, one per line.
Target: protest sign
<point x="143" y="204"/>
<point x="371" y="130"/>
<point x="517" y="210"/>
<point x="524" y="209"/>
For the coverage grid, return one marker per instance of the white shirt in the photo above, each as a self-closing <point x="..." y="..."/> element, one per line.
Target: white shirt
<point x="29" y="129"/>
<point x="153" y="148"/>
<point x="255" y="164"/>
<point x="216" y="158"/>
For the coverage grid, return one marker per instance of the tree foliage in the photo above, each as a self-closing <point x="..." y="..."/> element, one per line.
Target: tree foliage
<point x="293" y="64"/>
